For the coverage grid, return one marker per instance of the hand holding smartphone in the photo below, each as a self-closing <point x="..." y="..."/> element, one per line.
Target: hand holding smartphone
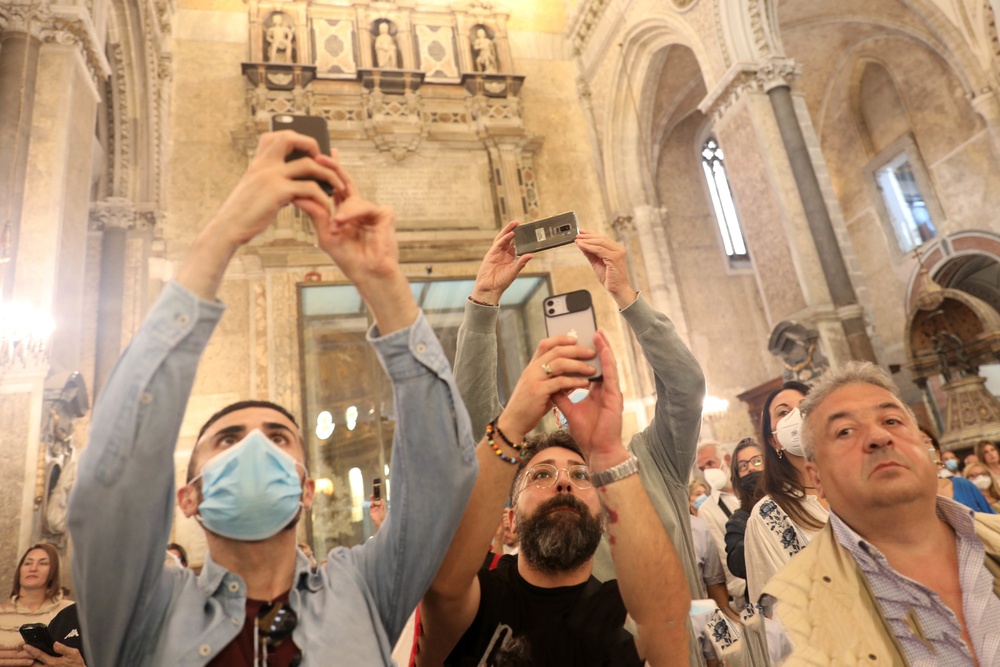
<point x="377" y="488"/>
<point x="38" y="635"/>
<point x="311" y="126"/>
<point x="573" y="314"/>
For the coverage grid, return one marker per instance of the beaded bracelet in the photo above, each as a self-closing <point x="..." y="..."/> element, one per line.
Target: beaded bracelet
<point x="495" y="425"/>
<point x="513" y="460"/>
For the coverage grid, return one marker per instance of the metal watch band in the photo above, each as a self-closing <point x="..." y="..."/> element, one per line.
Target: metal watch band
<point x="624" y="469"/>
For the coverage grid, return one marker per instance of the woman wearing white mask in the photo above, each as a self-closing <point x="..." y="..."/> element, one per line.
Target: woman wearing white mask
<point x="979" y="474"/>
<point x="790" y="513"/>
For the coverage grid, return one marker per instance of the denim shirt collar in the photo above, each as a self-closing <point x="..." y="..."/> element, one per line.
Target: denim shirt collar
<point x="213" y="575"/>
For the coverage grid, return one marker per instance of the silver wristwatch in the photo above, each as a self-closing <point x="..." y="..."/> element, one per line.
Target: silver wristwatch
<point x="624" y="469"/>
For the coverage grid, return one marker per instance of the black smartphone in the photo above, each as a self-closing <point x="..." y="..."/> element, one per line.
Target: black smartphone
<point x="312" y="126"/>
<point x="38" y="635"/>
<point x="573" y="313"/>
<point x="546" y="233"/>
<point x="377" y="488"/>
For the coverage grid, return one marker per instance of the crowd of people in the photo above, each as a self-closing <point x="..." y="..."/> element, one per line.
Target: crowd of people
<point x="808" y="545"/>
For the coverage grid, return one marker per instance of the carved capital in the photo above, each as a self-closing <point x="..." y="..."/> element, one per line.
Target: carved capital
<point x="585" y="21"/>
<point x="777" y="72"/>
<point x="112" y="213"/>
<point x="623" y="225"/>
<point x="29" y="18"/>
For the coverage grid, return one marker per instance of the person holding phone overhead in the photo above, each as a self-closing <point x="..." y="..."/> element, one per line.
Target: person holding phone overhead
<point x="664" y="451"/>
<point x="36" y="599"/>
<point x="257" y="599"/>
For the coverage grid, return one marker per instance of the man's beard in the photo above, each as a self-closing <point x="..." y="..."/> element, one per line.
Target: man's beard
<point x="555" y="542"/>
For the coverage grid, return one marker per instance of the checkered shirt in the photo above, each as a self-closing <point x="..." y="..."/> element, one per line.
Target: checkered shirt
<point x="901" y="597"/>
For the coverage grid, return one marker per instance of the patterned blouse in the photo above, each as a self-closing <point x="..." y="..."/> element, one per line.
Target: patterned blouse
<point x="772" y="539"/>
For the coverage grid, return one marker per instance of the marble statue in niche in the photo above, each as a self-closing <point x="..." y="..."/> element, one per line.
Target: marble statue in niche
<point x="280" y="37"/>
<point x="386" y="53"/>
<point x="484" y="51"/>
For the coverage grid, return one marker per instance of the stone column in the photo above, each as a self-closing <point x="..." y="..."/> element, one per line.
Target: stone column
<point x="20" y="44"/>
<point x="820" y="225"/>
<point x="113" y="218"/>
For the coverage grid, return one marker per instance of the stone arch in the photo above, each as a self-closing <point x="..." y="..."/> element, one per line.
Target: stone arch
<point x="855" y="99"/>
<point x="956" y="258"/>
<point x="628" y="137"/>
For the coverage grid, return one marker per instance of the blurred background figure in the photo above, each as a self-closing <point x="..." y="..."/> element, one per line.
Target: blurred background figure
<point x="953" y="486"/>
<point x="747" y="473"/>
<point x="987" y="454"/>
<point x="178" y="553"/>
<point x="697" y="495"/>
<point x="979" y="474"/>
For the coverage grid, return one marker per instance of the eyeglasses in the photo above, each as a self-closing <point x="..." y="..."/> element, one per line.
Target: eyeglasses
<point x="755" y="461"/>
<point x="275" y="623"/>
<point x="544" y="475"/>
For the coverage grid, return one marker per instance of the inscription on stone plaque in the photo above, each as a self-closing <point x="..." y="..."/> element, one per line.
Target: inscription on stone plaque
<point x="438" y="191"/>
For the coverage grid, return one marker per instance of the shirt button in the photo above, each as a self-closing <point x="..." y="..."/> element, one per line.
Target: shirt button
<point x="146" y="398"/>
<point x="233" y="587"/>
<point x="204" y="650"/>
<point x="235" y="620"/>
<point x="872" y="657"/>
<point x="827" y="579"/>
<point x="183" y="319"/>
<point x="421" y="348"/>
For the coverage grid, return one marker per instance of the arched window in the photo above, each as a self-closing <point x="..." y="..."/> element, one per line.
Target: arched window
<point x="722" y="201"/>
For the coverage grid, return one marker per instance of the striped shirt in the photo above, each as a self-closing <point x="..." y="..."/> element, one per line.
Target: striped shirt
<point x="908" y="605"/>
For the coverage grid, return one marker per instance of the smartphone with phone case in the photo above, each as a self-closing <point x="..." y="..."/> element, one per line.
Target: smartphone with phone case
<point x="38" y="635"/>
<point x="311" y="126"/>
<point x="546" y="233"/>
<point x="573" y="313"/>
<point x="377" y="488"/>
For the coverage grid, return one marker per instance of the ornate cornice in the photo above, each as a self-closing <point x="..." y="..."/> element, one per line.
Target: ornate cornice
<point x="72" y="25"/>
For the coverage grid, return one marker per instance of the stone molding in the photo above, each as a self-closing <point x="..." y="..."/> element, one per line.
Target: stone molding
<point x="584" y="22"/>
<point x="745" y="78"/>
<point x="73" y="26"/>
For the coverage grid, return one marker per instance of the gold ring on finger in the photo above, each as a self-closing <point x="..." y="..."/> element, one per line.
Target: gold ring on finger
<point x="547" y="369"/>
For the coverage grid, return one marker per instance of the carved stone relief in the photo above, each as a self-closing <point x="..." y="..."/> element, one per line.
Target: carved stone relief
<point x="436" y="51"/>
<point x="335" y="46"/>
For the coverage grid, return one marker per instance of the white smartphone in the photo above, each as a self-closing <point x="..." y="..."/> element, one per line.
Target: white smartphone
<point x="573" y="313"/>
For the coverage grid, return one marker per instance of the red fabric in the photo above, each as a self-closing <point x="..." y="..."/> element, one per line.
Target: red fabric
<point x="239" y="652"/>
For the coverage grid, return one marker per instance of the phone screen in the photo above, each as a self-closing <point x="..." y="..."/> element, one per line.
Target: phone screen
<point x="38" y="635"/>
<point x="377" y="488"/>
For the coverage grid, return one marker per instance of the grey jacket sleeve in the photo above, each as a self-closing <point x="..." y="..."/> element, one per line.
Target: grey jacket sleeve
<point x="672" y="435"/>
<point x="476" y="365"/>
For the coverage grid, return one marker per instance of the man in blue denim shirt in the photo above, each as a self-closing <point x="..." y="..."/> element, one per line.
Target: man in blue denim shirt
<point x="350" y="611"/>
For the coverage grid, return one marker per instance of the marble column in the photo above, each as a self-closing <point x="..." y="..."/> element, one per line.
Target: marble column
<point x="113" y="218"/>
<point x="20" y="44"/>
<point x="820" y="225"/>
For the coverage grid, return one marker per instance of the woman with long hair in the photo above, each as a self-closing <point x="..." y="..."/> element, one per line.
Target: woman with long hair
<point x="746" y="475"/>
<point x="36" y="595"/>
<point x="790" y="513"/>
<point x="979" y="474"/>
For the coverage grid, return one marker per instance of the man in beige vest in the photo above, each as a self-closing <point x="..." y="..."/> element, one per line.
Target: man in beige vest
<point x="900" y="575"/>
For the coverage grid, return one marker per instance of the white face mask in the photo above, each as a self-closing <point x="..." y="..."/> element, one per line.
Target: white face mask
<point x="981" y="481"/>
<point x="716" y="478"/>
<point x="788" y="432"/>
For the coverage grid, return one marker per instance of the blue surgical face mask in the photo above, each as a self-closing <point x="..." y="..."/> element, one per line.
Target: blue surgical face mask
<point x="951" y="464"/>
<point x="251" y="491"/>
<point x="700" y="500"/>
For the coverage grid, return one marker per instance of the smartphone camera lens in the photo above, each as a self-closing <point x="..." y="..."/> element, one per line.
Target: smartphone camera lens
<point x="564" y="229"/>
<point x="552" y="311"/>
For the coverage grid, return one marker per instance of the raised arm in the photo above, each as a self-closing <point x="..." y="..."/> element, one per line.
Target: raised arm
<point x="124" y="489"/>
<point x="450" y="606"/>
<point x="432" y="438"/>
<point x="650" y="574"/>
<point x="476" y="351"/>
<point x="672" y="435"/>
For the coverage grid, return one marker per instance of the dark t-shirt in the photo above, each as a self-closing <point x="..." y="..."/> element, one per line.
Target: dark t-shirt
<point x="520" y="625"/>
<point x="239" y="652"/>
